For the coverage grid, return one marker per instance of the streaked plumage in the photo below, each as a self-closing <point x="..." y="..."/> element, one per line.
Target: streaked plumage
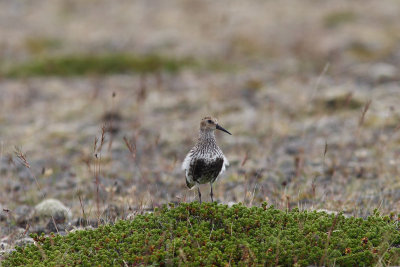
<point x="205" y="161"/>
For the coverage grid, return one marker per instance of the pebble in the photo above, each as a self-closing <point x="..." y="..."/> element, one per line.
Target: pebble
<point x="24" y="214"/>
<point x="111" y="212"/>
<point x="24" y="241"/>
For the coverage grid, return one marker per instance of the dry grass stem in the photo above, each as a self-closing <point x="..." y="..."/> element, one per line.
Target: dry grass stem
<point x="364" y="112"/>
<point x="131" y="147"/>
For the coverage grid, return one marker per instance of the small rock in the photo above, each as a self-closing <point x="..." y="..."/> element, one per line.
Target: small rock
<point x="18" y="232"/>
<point x="37" y="230"/>
<point x="362" y="153"/>
<point x="131" y="216"/>
<point x="52" y="207"/>
<point x="231" y="203"/>
<point x="51" y="227"/>
<point x="111" y="212"/>
<point x="383" y="72"/>
<point x="346" y="215"/>
<point x="24" y="214"/>
<point x="82" y="228"/>
<point x="327" y="211"/>
<point x="62" y="233"/>
<point x="4" y="246"/>
<point x="59" y="217"/>
<point x="5" y="252"/>
<point x="24" y="241"/>
<point x="56" y="223"/>
<point x="66" y="184"/>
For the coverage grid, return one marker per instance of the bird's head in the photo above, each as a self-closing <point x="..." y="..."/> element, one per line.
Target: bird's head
<point x="211" y="124"/>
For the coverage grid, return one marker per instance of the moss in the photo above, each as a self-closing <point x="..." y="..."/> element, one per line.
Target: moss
<point x="342" y="102"/>
<point x="338" y="18"/>
<point x="211" y="234"/>
<point x="365" y="51"/>
<point x="339" y="102"/>
<point x="96" y="65"/>
<point x="37" y="45"/>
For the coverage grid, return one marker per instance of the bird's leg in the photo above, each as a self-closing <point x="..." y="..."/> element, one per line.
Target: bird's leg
<point x="211" y="193"/>
<point x="198" y="190"/>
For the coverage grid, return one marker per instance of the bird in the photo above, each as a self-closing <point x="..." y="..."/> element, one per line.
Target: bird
<point x="205" y="162"/>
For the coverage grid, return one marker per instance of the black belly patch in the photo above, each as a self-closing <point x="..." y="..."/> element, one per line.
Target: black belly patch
<point x="205" y="171"/>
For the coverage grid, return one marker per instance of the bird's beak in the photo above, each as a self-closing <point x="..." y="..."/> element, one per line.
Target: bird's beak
<point x="222" y="129"/>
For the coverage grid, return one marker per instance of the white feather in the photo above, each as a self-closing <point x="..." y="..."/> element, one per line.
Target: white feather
<point x="185" y="167"/>
<point x="186" y="162"/>
<point x="224" y="165"/>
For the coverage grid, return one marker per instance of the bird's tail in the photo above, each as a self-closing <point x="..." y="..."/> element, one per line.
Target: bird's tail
<point x="189" y="184"/>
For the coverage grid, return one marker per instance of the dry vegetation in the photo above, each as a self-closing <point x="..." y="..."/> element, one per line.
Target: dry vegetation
<point x="310" y="91"/>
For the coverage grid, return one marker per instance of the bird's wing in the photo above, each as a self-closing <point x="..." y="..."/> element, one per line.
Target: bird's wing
<point x="224" y="165"/>
<point x="186" y="166"/>
<point x="226" y="162"/>
<point x="186" y="161"/>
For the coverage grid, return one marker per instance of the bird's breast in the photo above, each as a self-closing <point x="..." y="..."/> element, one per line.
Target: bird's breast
<point x="205" y="170"/>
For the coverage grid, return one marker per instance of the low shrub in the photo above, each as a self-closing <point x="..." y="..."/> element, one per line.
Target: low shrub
<point x="213" y="234"/>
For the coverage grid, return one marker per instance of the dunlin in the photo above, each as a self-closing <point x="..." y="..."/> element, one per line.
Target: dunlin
<point x="205" y="161"/>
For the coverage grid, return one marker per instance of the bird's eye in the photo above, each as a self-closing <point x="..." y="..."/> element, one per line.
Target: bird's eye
<point x="210" y="121"/>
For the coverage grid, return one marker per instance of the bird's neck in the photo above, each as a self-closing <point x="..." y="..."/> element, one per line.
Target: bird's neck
<point x="206" y="137"/>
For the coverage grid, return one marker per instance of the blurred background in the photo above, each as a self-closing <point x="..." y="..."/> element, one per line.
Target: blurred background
<point x="309" y="89"/>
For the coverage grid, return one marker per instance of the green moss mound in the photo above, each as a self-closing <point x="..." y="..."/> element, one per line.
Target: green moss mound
<point x="212" y="234"/>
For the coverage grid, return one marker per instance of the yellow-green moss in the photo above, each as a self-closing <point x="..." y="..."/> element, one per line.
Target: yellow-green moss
<point x="95" y="65"/>
<point x="337" y="18"/>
